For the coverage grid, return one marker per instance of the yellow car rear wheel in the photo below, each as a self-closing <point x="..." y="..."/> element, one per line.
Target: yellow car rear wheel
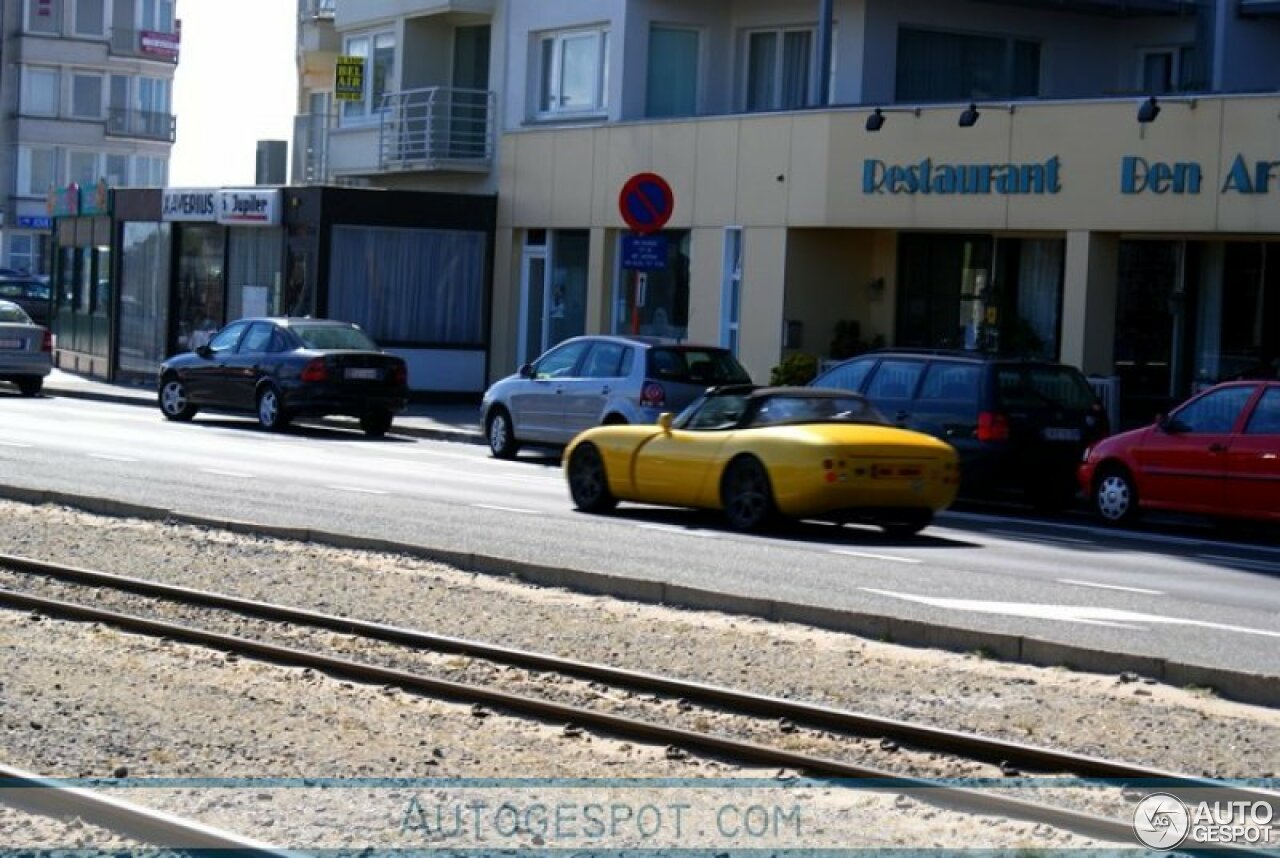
<point x="746" y="495"/>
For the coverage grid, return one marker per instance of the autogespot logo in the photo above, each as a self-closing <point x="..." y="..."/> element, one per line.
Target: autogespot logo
<point x="1161" y="821"/>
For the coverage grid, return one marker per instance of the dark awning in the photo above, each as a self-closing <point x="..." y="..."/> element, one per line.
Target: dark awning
<point x="1118" y="8"/>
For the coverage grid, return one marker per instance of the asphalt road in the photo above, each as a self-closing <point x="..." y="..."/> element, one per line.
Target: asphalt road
<point x="1188" y="596"/>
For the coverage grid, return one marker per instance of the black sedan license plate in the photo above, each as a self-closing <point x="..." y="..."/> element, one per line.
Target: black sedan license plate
<point x="363" y="374"/>
<point x="1061" y="433"/>
<point x="13" y="344"/>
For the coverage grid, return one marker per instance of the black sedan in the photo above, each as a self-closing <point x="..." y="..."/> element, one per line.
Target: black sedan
<point x="286" y="368"/>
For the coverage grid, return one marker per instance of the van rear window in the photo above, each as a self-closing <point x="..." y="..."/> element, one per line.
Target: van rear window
<point x="1038" y="387"/>
<point x="695" y="366"/>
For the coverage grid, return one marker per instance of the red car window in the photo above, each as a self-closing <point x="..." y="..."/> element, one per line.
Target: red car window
<point x="1215" y="413"/>
<point x="1265" y="419"/>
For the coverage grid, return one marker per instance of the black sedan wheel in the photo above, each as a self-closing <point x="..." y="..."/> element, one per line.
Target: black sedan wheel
<point x="175" y="404"/>
<point x="588" y="483"/>
<point x="271" y="413"/>
<point x="745" y="494"/>
<point x="376" y="423"/>
<point x="1115" y="497"/>
<point x="502" y="438"/>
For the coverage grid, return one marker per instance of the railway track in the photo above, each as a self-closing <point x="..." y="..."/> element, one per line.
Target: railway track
<point x="1010" y="756"/>
<point x="56" y="799"/>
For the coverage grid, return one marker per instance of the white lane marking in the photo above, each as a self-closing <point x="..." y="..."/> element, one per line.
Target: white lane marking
<point x="671" y="528"/>
<point x="1141" y="590"/>
<point x="1040" y="537"/>
<point x="358" y="490"/>
<point x="870" y="556"/>
<point x="1261" y="565"/>
<point x="220" y="473"/>
<point x="497" y="508"/>
<point x="1107" y="531"/>
<point x="109" y="458"/>
<point x="16" y="444"/>
<point x="1067" y="613"/>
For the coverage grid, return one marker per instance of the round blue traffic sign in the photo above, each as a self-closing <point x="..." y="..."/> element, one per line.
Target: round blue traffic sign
<point x="646" y="202"/>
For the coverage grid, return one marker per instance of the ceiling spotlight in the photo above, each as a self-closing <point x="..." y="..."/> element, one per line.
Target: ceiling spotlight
<point x="969" y="117"/>
<point x="875" y="121"/>
<point x="1148" y="110"/>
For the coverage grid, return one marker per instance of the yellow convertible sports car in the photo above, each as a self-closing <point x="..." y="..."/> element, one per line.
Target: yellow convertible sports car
<point x="757" y="453"/>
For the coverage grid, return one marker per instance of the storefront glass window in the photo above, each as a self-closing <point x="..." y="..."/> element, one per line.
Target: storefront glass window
<point x="409" y="286"/>
<point x="254" y="271"/>
<point x="201" y="311"/>
<point x="144" y="298"/>
<point x="656" y="303"/>
<point x="1148" y="303"/>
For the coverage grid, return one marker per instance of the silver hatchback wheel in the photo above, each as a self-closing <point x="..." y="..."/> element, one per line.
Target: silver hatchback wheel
<point x="1114" y="497"/>
<point x="501" y="437"/>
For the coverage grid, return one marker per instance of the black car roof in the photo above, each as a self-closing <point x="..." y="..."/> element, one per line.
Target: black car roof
<point x="288" y="321"/>
<point x="959" y="355"/>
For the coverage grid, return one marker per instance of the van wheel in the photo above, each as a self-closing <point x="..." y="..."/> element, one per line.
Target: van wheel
<point x="502" y="438"/>
<point x="1115" y="497"/>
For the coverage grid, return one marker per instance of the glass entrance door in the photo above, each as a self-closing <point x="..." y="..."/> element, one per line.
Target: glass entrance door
<point x="533" y="292"/>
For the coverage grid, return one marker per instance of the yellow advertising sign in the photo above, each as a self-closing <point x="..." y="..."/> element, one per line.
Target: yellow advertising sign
<point x="349" y="83"/>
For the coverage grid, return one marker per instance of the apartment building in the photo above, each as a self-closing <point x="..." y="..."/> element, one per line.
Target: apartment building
<point x="86" y="95"/>
<point x="1096" y="181"/>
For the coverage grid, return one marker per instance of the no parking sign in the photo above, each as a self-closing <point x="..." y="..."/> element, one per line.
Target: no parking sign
<point x="646" y="202"/>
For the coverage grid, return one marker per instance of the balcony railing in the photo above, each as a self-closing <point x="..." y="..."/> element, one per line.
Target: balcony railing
<point x="319" y="8"/>
<point x="143" y="124"/>
<point x="146" y="44"/>
<point x="311" y="148"/>
<point x="437" y="128"/>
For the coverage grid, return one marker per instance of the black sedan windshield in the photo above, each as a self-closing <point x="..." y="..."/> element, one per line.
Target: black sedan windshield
<point x="335" y="337"/>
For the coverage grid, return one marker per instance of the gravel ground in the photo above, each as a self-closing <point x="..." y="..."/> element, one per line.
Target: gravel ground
<point x="223" y="718"/>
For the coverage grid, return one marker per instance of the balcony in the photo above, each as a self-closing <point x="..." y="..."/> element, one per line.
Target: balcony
<point x="145" y="44"/>
<point x="142" y="124"/>
<point x="312" y="9"/>
<point x="435" y="129"/>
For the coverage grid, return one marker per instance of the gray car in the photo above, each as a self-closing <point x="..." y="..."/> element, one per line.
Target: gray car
<point x="26" y="349"/>
<point x="587" y="381"/>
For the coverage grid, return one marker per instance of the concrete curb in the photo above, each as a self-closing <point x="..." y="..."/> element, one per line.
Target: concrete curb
<point x="427" y="433"/>
<point x="1255" y="688"/>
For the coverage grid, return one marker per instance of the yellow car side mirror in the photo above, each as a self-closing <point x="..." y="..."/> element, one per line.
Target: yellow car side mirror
<point x="664" y="420"/>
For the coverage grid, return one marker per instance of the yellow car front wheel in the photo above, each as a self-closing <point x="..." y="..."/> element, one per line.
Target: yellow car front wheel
<point x="588" y="483"/>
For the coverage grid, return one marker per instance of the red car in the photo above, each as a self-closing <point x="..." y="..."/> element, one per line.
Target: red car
<point x="1217" y="453"/>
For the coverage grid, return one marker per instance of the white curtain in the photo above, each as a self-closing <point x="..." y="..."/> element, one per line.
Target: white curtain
<point x="1040" y="269"/>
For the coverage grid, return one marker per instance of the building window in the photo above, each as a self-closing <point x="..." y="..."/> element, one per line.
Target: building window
<point x="90" y="18"/>
<point x="21" y="252"/>
<point x="44" y="16"/>
<point x="37" y="171"/>
<point x="656" y="303"/>
<point x="937" y="66"/>
<point x="379" y="53"/>
<point x="117" y="174"/>
<point x="86" y="96"/>
<point x="150" y="172"/>
<point x="1168" y="70"/>
<point x="156" y="15"/>
<point x="731" y="289"/>
<point x="574" y="75"/>
<point x="779" y="69"/>
<point x="40" y="91"/>
<point x="673" y="72"/>
<point x="83" y="167"/>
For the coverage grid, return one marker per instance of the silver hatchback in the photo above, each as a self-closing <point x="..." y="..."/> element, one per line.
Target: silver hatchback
<point x="587" y="381"/>
<point x="26" y="349"/>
